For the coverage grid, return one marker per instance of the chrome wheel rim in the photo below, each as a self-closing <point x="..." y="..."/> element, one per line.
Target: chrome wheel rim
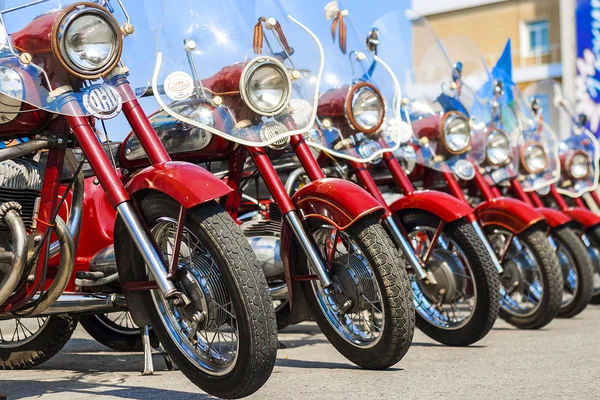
<point x="18" y="332"/>
<point x="119" y="322"/>
<point x="521" y="288"/>
<point x="361" y="324"/>
<point x="570" y="276"/>
<point x="594" y="254"/>
<point x="451" y="303"/>
<point x="214" y="348"/>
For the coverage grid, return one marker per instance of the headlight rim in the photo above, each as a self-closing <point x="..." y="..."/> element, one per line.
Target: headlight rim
<point x="570" y="164"/>
<point x="446" y="119"/>
<point x="251" y="67"/>
<point x="487" y="159"/>
<point x="523" y="159"/>
<point x="349" y="107"/>
<point x="61" y="24"/>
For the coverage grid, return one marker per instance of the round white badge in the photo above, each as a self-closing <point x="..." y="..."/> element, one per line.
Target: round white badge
<point x="3" y="37"/>
<point x="179" y="85"/>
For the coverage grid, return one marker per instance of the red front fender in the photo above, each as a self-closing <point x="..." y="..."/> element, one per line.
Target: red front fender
<point x="514" y="215"/>
<point x="189" y="184"/>
<point x="443" y="205"/>
<point x="583" y="216"/>
<point x="554" y="217"/>
<point x="336" y="201"/>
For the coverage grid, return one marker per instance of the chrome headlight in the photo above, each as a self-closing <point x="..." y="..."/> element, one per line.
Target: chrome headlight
<point x="456" y="133"/>
<point x="87" y="40"/>
<point x="534" y="157"/>
<point x="367" y="148"/>
<point x="365" y="107"/>
<point x="265" y="86"/>
<point x="497" y="149"/>
<point x="579" y="165"/>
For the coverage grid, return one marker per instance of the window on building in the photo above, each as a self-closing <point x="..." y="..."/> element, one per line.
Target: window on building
<point x="538" y="37"/>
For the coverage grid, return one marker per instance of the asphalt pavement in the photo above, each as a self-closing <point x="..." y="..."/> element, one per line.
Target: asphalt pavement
<point x="559" y="361"/>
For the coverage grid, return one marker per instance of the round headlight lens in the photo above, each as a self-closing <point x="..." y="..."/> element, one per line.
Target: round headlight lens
<point x="535" y="158"/>
<point x="456" y="134"/>
<point x="580" y="166"/>
<point x="266" y="86"/>
<point x="89" y="41"/>
<point x="497" y="150"/>
<point x="367" y="109"/>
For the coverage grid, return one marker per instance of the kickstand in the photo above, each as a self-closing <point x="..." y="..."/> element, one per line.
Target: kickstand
<point x="161" y="352"/>
<point x="148" y="364"/>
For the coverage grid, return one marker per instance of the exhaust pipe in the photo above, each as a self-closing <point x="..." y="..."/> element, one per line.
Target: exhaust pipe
<point x="17" y="259"/>
<point x="81" y="303"/>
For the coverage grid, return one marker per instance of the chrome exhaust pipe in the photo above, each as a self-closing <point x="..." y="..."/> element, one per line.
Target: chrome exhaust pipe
<point x="81" y="303"/>
<point x="279" y="292"/>
<point x="16" y="259"/>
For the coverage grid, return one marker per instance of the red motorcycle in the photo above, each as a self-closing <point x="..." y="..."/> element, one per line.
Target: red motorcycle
<point x="63" y="69"/>
<point x="249" y="98"/>
<point x="578" y="158"/>
<point x="454" y="281"/>
<point x="531" y="289"/>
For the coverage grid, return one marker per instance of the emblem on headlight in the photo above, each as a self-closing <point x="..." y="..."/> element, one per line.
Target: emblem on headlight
<point x="271" y="129"/>
<point x="102" y="101"/>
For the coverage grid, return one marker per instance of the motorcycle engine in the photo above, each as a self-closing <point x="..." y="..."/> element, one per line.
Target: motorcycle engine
<point x="21" y="181"/>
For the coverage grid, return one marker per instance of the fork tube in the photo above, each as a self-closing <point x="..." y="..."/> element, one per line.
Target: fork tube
<point x="595" y="197"/>
<point x="453" y="185"/>
<point x="140" y="123"/>
<point x="398" y="174"/>
<point x="520" y="192"/>
<point x="306" y="158"/>
<point x="283" y="200"/>
<point x="579" y="202"/>
<point x="535" y="199"/>
<point x="562" y="204"/>
<point x="394" y="229"/>
<point x="483" y="186"/>
<point x="236" y="167"/>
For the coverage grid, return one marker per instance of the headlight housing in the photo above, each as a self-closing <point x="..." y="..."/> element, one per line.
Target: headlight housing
<point x="365" y="108"/>
<point x="497" y="150"/>
<point x="87" y="40"/>
<point x="579" y="165"/>
<point x="265" y="86"/>
<point x="367" y="148"/>
<point x="534" y="157"/>
<point x="456" y="133"/>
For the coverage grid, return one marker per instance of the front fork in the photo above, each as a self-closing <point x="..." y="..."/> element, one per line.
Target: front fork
<point x="110" y="181"/>
<point x="283" y="200"/>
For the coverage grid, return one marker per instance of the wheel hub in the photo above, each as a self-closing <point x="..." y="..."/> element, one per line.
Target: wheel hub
<point x="354" y="286"/>
<point x="517" y="272"/>
<point x="443" y="265"/>
<point x="201" y="281"/>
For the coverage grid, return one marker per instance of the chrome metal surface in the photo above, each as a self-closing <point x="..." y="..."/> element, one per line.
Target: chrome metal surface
<point x="148" y="364"/>
<point x="268" y="254"/>
<point x="80" y="303"/>
<point x="16" y="267"/>
<point x="278" y="291"/>
<point x="153" y="260"/>
<point x="569" y="272"/>
<point x="17" y="332"/>
<point x="291" y="180"/>
<point x="402" y="243"/>
<point x="307" y="244"/>
<point x="22" y="149"/>
<point x="594" y="254"/>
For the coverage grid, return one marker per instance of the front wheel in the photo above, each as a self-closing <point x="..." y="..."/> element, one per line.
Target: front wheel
<point x="577" y="271"/>
<point x="591" y="239"/>
<point x="224" y="338"/>
<point x="531" y="286"/>
<point x="368" y="315"/>
<point x="462" y="306"/>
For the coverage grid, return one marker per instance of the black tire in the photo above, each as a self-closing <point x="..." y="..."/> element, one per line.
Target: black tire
<point x="392" y="279"/>
<point x="593" y="236"/>
<point x="580" y="261"/>
<point x="114" y="337"/>
<point x="248" y="291"/>
<point x="549" y="305"/>
<point x="485" y="277"/>
<point x="49" y="341"/>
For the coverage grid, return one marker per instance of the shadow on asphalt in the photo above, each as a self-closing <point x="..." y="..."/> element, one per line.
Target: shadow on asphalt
<point x="80" y="385"/>
<point x="290" y="363"/>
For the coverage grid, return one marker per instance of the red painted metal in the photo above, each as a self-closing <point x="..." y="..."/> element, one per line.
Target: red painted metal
<point x="583" y="216"/>
<point x="336" y="201"/>
<point x="453" y="185"/>
<point x="271" y="179"/>
<point x="142" y="127"/>
<point x="35" y="38"/>
<point x="441" y="204"/>
<point x="519" y="192"/>
<point x="306" y="158"/>
<point x="306" y="278"/>
<point x="236" y="167"/>
<point x="511" y="214"/>
<point x="579" y="202"/>
<point x="496" y="191"/>
<point x="140" y="286"/>
<point x="483" y="186"/>
<point x="177" y="241"/>
<point x="398" y="174"/>
<point x="27" y="123"/>
<point x="560" y="201"/>
<point x="596" y="198"/>
<point x="366" y="180"/>
<point x="535" y="199"/>
<point x="434" y="240"/>
<point x="189" y="184"/>
<point x="554" y="218"/>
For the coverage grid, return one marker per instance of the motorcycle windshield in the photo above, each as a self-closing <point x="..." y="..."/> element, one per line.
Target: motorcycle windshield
<point x="435" y="97"/>
<point x="495" y="126"/>
<point x="60" y="55"/>
<point x="251" y="69"/>
<point x="359" y="94"/>
<point x="538" y="147"/>
<point x="578" y="148"/>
